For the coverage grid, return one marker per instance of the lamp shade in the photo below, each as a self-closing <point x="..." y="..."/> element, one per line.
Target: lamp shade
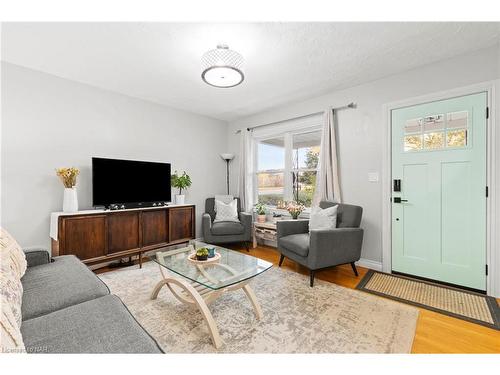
<point x="222" y="67"/>
<point x="227" y="156"/>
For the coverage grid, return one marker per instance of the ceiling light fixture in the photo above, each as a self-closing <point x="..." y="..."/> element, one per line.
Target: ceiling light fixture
<point x="222" y="67"/>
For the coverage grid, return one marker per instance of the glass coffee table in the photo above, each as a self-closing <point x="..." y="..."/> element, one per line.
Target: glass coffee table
<point x="199" y="283"/>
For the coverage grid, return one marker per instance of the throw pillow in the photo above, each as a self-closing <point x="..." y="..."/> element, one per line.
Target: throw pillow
<point x="11" y="340"/>
<point x="226" y="212"/>
<point x="224" y="199"/>
<point x="323" y="218"/>
<point x="12" y="254"/>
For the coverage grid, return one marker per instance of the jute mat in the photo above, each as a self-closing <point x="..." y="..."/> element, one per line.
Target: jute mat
<point x="462" y="304"/>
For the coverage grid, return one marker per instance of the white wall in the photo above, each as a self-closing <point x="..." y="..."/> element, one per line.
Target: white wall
<point x="50" y="122"/>
<point x="361" y="130"/>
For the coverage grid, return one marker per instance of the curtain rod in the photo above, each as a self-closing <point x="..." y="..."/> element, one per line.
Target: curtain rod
<point x="350" y="105"/>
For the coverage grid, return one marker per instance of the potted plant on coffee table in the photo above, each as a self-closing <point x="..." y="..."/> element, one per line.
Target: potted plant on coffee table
<point x="202" y="253"/>
<point x="180" y="182"/>
<point x="260" y="209"/>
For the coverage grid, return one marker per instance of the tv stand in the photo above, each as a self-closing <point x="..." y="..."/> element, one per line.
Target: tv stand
<point x="101" y="236"/>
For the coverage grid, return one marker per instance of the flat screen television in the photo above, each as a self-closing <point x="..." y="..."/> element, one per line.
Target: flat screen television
<point x="129" y="182"/>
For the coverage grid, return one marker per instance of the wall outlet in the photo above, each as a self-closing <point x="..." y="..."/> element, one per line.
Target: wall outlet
<point x="373" y="176"/>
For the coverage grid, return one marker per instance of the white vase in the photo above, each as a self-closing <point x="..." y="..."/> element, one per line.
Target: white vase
<point x="179" y="199"/>
<point x="70" y="201"/>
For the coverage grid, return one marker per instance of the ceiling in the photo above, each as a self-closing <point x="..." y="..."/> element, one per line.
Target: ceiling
<point x="284" y="62"/>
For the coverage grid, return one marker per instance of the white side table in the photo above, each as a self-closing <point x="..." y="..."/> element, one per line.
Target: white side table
<point x="264" y="231"/>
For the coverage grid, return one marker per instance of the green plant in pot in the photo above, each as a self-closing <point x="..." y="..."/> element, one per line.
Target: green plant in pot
<point x="260" y="209"/>
<point x="202" y="253"/>
<point x="180" y="182"/>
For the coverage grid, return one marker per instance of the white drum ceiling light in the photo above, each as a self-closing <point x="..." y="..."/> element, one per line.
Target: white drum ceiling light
<point x="222" y="67"/>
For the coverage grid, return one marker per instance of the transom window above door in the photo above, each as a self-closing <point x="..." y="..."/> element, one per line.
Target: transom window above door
<point x="436" y="132"/>
<point x="287" y="166"/>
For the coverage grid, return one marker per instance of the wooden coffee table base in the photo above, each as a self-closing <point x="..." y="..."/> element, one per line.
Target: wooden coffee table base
<point x="199" y="296"/>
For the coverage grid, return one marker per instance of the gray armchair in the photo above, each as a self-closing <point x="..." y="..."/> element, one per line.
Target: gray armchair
<point x="318" y="249"/>
<point x="226" y="231"/>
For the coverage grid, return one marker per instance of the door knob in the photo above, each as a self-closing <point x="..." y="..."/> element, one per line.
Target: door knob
<point x="399" y="200"/>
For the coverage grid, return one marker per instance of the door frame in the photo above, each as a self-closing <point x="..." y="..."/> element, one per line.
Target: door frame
<point x="492" y="250"/>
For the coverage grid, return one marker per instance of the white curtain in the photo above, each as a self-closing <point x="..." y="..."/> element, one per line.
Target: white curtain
<point x="327" y="179"/>
<point x="245" y="177"/>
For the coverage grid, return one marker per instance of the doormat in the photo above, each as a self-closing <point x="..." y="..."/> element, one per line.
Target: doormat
<point x="473" y="307"/>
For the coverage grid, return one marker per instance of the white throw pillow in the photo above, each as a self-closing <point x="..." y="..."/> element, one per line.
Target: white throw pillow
<point x="323" y="218"/>
<point x="226" y="212"/>
<point x="224" y="199"/>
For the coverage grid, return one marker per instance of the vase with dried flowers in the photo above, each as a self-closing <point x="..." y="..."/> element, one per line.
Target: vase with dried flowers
<point x="295" y="209"/>
<point x="68" y="178"/>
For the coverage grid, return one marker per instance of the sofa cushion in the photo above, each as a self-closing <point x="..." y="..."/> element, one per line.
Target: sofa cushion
<point x="225" y="228"/>
<point x="296" y="243"/>
<point x="103" y="325"/>
<point x="64" y="282"/>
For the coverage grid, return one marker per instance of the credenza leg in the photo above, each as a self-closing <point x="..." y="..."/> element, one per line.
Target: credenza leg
<point x="140" y="260"/>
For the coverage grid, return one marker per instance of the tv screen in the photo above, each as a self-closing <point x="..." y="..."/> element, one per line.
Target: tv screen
<point x="129" y="181"/>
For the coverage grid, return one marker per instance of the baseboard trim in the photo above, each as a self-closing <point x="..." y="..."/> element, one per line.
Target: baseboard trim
<point x="371" y="264"/>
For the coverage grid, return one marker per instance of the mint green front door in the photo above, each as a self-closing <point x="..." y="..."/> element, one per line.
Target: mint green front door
<point x="439" y="212"/>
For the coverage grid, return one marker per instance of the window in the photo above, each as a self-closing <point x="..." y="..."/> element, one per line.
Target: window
<point x="271" y="171"/>
<point x="434" y="133"/>
<point x="287" y="167"/>
<point x="305" y="156"/>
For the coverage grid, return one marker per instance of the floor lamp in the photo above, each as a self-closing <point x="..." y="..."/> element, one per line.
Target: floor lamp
<point x="227" y="158"/>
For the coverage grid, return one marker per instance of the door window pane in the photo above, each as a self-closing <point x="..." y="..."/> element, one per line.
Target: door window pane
<point x="456" y="138"/>
<point x="271" y="187"/>
<point x="457" y="119"/>
<point x="413" y="142"/>
<point x="413" y="126"/>
<point x="434" y="140"/>
<point x="435" y="122"/>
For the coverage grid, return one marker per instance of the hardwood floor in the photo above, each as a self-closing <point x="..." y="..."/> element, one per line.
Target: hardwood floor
<point x="436" y="333"/>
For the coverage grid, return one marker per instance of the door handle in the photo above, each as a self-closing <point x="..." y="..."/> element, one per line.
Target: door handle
<point x="399" y="200"/>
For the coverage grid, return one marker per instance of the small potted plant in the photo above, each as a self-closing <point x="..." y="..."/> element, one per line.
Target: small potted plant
<point x="180" y="182"/>
<point x="202" y="253"/>
<point x="295" y="209"/>
<point x="68" y="178"/>
<point x="260" y="209"/>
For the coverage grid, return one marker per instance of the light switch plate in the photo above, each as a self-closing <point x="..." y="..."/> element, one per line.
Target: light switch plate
<point x="373" y="176"/>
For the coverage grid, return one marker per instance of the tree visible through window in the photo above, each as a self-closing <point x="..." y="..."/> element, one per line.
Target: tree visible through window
<point x="305" y="164"/>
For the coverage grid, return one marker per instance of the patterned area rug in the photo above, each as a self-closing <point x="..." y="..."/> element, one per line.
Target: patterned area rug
<point x="462" y="304"/>
<point x="297" y="319"/>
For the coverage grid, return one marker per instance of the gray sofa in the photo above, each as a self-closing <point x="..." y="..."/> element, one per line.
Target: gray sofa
<point x="318" y="249"/>
<point x="226" y="231"/>
<point x="66" y="308"/>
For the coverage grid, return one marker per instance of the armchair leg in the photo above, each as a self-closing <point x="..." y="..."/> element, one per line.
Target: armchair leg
<point x="246" y="246"/>
<point x="311" y="278"/>
<point x="282" y="258"/>
<point x="354" y="268"/>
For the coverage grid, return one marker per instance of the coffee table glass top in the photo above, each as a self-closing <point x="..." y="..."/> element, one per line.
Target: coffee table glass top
<point x="232" y="268"/>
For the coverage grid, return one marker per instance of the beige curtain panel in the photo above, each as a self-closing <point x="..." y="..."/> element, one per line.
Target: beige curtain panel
<point x="327" y="180"/>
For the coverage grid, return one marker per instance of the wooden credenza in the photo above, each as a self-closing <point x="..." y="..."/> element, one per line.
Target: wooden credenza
<point x="99" y="237"/>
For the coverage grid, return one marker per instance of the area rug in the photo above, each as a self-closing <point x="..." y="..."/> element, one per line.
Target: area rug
<point x="459" y="303"/>
<point x="297" y="319"/>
